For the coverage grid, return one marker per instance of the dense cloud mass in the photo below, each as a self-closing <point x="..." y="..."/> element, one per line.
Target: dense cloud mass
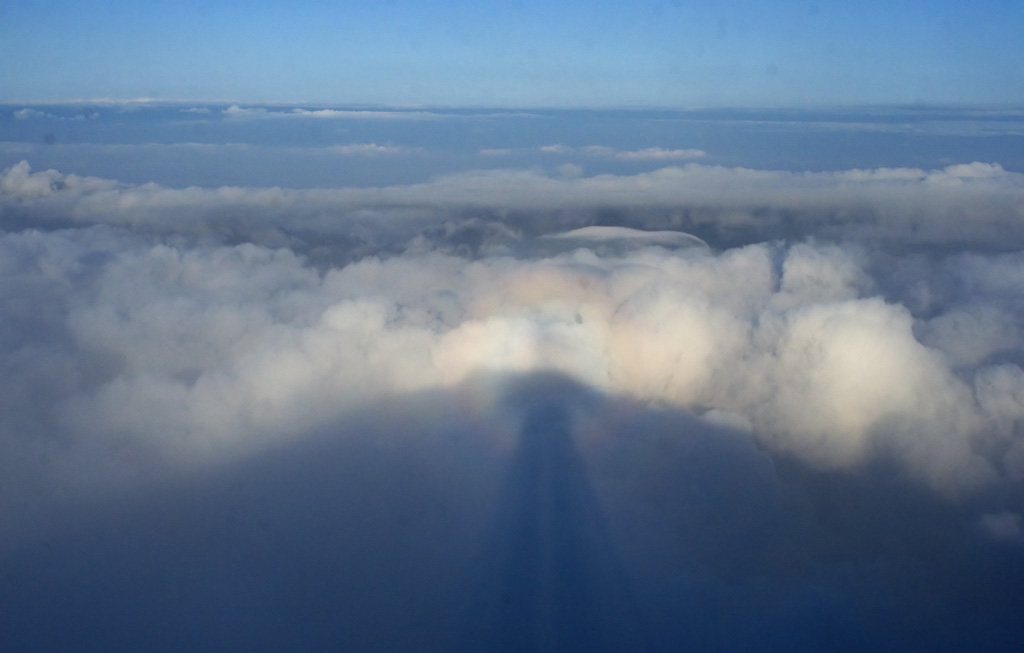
<point x="789" y="389"/>
<point x="975" y="205"/>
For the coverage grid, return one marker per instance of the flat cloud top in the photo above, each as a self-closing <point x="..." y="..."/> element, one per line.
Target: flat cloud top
<point x="977" y="204"/>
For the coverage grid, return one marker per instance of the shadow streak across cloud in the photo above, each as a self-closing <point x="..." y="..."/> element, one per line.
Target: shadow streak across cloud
<point x="554" y="579"/>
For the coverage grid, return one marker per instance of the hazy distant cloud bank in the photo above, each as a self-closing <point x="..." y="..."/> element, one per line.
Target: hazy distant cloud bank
<point x="839" y="318"/>
<point x="236" y="111"/>
<point x="367" y="149"/>
<point x="974" y="205"/>
<point x="646" y="154"/>
<point x="29" y="113"/>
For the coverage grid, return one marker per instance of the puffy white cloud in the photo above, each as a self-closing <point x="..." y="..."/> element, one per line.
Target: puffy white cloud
<point x="660" y="154"/>
<point x="556" y="148"/>
<point x="199" y="351"/>
<point x="200" y="323"/>
<point x="364" y="114"/>
<point x="366" y="149"/>
<point x="238" y="112"/>
<point x="28" y="114"/>
<point x="832" y="388"/>
<point x="20" y="182"/>
<point x="235" y="111"/>
<point x="646" y="154"/>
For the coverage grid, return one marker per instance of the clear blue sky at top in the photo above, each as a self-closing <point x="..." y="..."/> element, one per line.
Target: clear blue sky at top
<point x="568" y="53"/>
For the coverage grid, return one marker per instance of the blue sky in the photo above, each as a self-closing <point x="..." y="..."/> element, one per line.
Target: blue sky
<point x="676" y="53"/>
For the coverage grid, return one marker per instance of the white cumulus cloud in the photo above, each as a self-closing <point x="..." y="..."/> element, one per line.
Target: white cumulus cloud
<point x="771" y="380"/>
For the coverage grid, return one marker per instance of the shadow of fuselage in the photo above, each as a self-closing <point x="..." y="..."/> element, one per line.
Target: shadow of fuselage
<point x="553" y="579"/>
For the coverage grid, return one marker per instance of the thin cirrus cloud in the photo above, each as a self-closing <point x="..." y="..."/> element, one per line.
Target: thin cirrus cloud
<point x="368" y="149"/>
<point x="29" y="113"/>
<point x="238" y="112"/>
<point x="645" y="154"/>
<point x="832" y="360"/>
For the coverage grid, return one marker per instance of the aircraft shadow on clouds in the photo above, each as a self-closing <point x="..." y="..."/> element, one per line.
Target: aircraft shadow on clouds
<point x="411" y="526"/>
<point x="553" y="579"/>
